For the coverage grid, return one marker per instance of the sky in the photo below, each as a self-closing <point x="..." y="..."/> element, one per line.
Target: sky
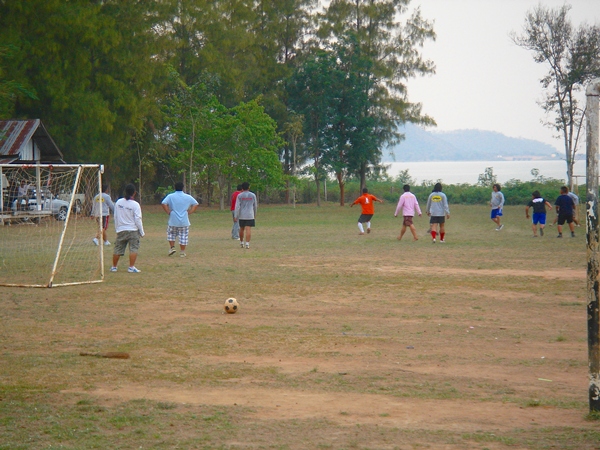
<point x="483" y="80"/>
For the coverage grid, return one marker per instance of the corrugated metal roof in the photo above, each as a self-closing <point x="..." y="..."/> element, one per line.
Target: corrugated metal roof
<point x="16" y="134"/>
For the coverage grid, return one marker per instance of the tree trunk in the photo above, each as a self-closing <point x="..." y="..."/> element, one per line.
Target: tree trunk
<point x="318" y="189"/>
<point x="342" y="185"/>
<point x="363" y="176"/>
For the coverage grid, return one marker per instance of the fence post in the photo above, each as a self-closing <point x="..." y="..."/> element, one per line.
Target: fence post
<point x="592" y="147"/>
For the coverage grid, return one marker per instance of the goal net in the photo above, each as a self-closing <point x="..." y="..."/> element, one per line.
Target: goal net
<point x="46" y="227"/>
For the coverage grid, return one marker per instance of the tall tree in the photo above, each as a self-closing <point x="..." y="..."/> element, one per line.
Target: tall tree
<point x="386" y="54"/>
<point x="90" y="64"/>
<point x="573" y="59"/>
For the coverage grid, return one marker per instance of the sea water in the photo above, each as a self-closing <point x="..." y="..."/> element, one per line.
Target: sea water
<point x="457" y="172"/>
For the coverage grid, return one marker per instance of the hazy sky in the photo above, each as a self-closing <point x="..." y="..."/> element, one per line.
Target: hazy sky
<point x="483" y="80"/>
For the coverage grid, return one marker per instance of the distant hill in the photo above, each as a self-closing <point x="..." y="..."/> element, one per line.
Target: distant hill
<point x="464" y="145"/>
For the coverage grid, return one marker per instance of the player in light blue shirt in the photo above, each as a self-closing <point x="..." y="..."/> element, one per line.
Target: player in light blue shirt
<point x="178" y="205"/>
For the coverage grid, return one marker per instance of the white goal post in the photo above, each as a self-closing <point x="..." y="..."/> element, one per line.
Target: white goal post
<point x="46" y="226"/>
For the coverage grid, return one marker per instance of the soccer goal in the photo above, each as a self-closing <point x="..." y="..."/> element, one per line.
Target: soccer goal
<point x="46" y="228"/>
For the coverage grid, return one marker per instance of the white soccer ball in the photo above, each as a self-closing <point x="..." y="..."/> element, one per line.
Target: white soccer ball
<point x="231" y="305"/>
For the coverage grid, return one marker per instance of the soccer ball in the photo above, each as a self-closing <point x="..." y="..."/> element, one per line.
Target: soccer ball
<point x="231" y="305"/>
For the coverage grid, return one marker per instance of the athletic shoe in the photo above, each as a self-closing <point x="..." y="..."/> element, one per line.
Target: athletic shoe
<point x="95" y="240"/>
<point x="172" y="251"/>
<point x="572" y="234"/>
<point x="535" y="235"/>
<point x="133" y="269"/>
<point x="106" y="243"/>
<point x="501" y="226"/>
<point x="247" y="244"/>
<point x="113" y="269"/>
<point x="242" y="244"/>
<point x="183" y="255"/>
<point x="368" y="230"/>
<point x="442" y="241"/>
<point x="433" y="241"/>
<point x="541" y="232"/>
<point x="559" y="235"/>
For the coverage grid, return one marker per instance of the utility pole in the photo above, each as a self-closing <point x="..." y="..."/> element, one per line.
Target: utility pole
<point x="593" y="264"/>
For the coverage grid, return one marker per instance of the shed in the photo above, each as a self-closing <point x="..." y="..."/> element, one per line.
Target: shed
<point x="27" y="142"/>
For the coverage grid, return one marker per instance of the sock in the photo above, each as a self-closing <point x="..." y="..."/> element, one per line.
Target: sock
<point x="442" y="236"/>
<point x="368" y="224"/>
<point x="433" y="234"/>
<point x="360" y="227"/>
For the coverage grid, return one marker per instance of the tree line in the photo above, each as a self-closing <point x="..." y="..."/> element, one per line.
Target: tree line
<point x="218" y="91"/>
<point x="215" y="92"/>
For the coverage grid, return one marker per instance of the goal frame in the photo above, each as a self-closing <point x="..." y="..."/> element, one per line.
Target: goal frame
<point x="6" y="218"/>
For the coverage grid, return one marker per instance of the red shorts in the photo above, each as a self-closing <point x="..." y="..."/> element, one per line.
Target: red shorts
<point x="408" y="221"/>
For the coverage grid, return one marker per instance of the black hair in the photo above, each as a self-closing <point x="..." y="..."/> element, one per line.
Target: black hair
<point x="179" y="186"/>
<point x="406" y="188"/>
<point x="365" y="190"/>
<point x="437" y="187"/>
<point x="239" y="187"/>
<point x="129" y="191"/>
<point x="536" y="194"/>
<point x="245" y="186"/>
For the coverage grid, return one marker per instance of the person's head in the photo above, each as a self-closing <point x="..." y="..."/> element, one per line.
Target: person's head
<point x="22" y="182"/>
<point x="239" y="187"/>
<point x="104" y="187"/>
<point x="437" y="187"/>
<point x="536" y="194"/>
<point x="564" y="190"/>
<point x="179" y="186"/>
<point x="129" y="191"/>
<point x="496" y="187"/>
<point x="245" y="187"/>
<point x="406" y="188"/>
<point x="365" y="191"/>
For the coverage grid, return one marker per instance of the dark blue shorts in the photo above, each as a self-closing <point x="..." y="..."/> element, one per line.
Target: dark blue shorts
<point x="247" y="223"/>
<point x="497" y="212"/>
<point x="538" y="218"/>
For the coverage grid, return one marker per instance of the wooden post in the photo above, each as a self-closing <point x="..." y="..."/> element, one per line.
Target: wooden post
<point x="592" y="130"/>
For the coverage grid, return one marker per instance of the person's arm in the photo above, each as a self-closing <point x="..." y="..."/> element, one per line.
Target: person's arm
<point x="138" y="220"/>
<point x="193" y="208"/>
<point x="548" y="204"/>
<point x="527" y="211"/>
<point x="166" y="208"/>
<point x="417" y="207"/>
<point x="399" y="206"/>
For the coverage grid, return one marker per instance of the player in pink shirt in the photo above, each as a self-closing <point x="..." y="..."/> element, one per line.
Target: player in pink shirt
<point x="409" y="204"/>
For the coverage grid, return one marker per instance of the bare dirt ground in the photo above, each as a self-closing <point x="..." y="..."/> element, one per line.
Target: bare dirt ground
<point x="416" y="345"/>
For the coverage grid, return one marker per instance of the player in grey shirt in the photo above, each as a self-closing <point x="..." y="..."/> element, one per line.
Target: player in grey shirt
<point x="246" y="205"/>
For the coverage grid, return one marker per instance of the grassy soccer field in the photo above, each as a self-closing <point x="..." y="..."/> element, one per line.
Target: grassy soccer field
<point x="341" y="341"/>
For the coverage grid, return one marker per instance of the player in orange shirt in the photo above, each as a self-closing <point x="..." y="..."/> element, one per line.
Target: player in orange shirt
<point x="368" y="209"/>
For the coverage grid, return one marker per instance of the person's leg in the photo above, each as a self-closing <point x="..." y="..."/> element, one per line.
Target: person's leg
<point x="116" y="260"/>
<point x="402" y="231"/>
<point x="242" y="230"/>
<point x="369" y="226"/>
<point x="442" y="232"/>
<point x="534" y="229"/>
<point x="360" y="228"/>
<point x="132" y="258"/>
<point x="248" y="233"/>
<point x="413" y="230"/>
<point x="434" y="227"/>
<point x="184" y="235"/>
<point x="235" y="230"/>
